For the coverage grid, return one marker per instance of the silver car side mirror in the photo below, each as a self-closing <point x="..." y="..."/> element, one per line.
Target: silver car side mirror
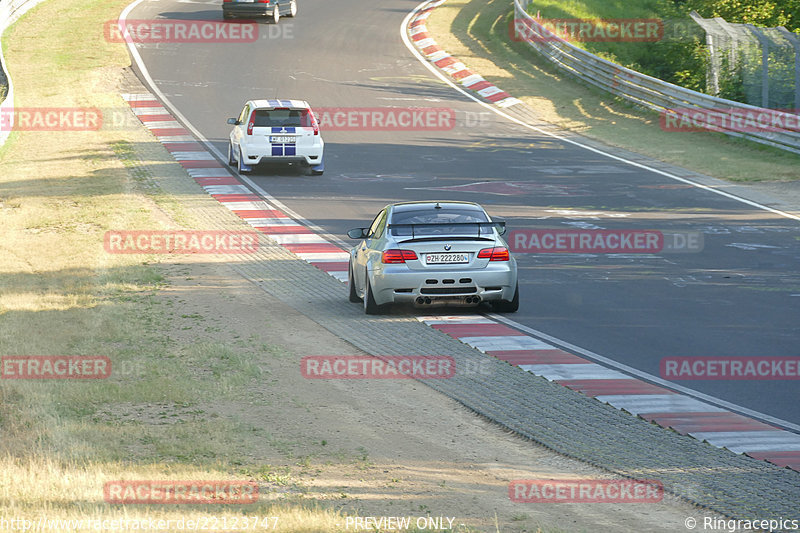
<point x="357" y="233"/>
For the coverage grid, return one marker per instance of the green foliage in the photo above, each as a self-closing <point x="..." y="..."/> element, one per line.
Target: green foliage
<point x="681" y="56"/>
<point x="767" y="13"/>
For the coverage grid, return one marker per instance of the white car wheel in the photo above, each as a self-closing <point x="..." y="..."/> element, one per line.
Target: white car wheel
<point x="292" y="8"/>
<point x="276" y="14"/>
<point x="240" y="164"/>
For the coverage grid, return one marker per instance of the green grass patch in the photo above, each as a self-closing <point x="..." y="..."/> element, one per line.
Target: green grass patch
<point x="677" y="57"/>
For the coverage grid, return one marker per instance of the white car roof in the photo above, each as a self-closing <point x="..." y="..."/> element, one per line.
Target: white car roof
<point x="272" y="104"/>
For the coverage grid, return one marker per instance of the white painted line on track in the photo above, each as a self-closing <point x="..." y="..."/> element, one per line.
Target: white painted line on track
<point x="751" y="441"/>
<point x="191" y="156"/>
<point x="430" y="320"/>
<point x="559" y="372"/>
<point x="226" y="189"/>
<point x="505" y="342"/>
<point x="248" y="205"/>
<point x="297" y="238"/>
<point x="658" y="403"/>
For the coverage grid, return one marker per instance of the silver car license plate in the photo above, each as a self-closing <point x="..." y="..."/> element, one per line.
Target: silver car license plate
<point x="282" y="140"/>
<point x="446" y="259"/>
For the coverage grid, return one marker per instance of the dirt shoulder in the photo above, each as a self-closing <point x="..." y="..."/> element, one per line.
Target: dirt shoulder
<point x="207" y="383"/>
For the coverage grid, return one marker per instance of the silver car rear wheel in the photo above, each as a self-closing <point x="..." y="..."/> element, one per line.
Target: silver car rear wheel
<point x="370" y="307"/>
<point x="352" y="284"/>
<point x="506" y="306"/>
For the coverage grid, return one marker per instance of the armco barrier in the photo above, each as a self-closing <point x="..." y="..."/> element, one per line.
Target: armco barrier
<point x="641" y="89"/>
<point x="10" y="11"/>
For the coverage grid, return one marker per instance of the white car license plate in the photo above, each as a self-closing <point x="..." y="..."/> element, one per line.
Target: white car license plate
<point x="244" y="1"/>
<point x="441" y="259"/>
<point x="282" y="140"/>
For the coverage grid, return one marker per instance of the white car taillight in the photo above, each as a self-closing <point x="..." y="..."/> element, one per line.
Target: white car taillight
<point x="314" y="123"/>
<point x="251" y="123"/>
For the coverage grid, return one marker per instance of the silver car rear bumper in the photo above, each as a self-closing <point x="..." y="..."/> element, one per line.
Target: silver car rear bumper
<point x="398" y="283"/>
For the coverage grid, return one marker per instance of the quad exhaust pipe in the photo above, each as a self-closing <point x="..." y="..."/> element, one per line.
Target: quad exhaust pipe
<point x="469" y="299"/>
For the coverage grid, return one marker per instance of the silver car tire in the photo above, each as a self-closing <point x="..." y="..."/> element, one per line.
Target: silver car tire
<point x="276" y="14"/>
<point x="292" y="8"/>
<point x="505" y="306"/>
<point x="370" y="307"/>
<point x="352" y="284"/>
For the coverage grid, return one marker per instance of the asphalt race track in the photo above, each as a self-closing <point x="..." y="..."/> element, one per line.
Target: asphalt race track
<point x="738" y="296"/>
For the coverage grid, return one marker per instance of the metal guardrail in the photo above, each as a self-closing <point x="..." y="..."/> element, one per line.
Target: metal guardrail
<point x="670" y="100"/>
<point x="10" y="11"/>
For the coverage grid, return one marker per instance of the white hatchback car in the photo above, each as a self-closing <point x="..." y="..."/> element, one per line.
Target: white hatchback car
<point x="275" y="131"/>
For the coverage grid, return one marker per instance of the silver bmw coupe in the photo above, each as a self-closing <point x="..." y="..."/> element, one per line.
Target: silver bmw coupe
<point x="433" y="253"/>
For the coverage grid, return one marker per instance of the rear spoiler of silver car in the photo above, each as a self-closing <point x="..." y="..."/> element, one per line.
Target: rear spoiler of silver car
<point x="499" y="224"/>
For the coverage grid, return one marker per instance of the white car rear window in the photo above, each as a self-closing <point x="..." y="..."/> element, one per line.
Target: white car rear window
<point x="282" y="118"/>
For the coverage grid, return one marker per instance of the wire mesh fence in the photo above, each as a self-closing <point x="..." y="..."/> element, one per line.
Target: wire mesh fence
<point x="757" y="66"/>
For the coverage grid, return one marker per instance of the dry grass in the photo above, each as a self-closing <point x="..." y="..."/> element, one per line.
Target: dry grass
<point x="62" y="294"/>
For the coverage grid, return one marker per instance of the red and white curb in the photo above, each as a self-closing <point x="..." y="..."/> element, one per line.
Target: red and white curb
<point x="665" y="407"/>
<point x="657" y="404"/>
<point x="454" y="68"/>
